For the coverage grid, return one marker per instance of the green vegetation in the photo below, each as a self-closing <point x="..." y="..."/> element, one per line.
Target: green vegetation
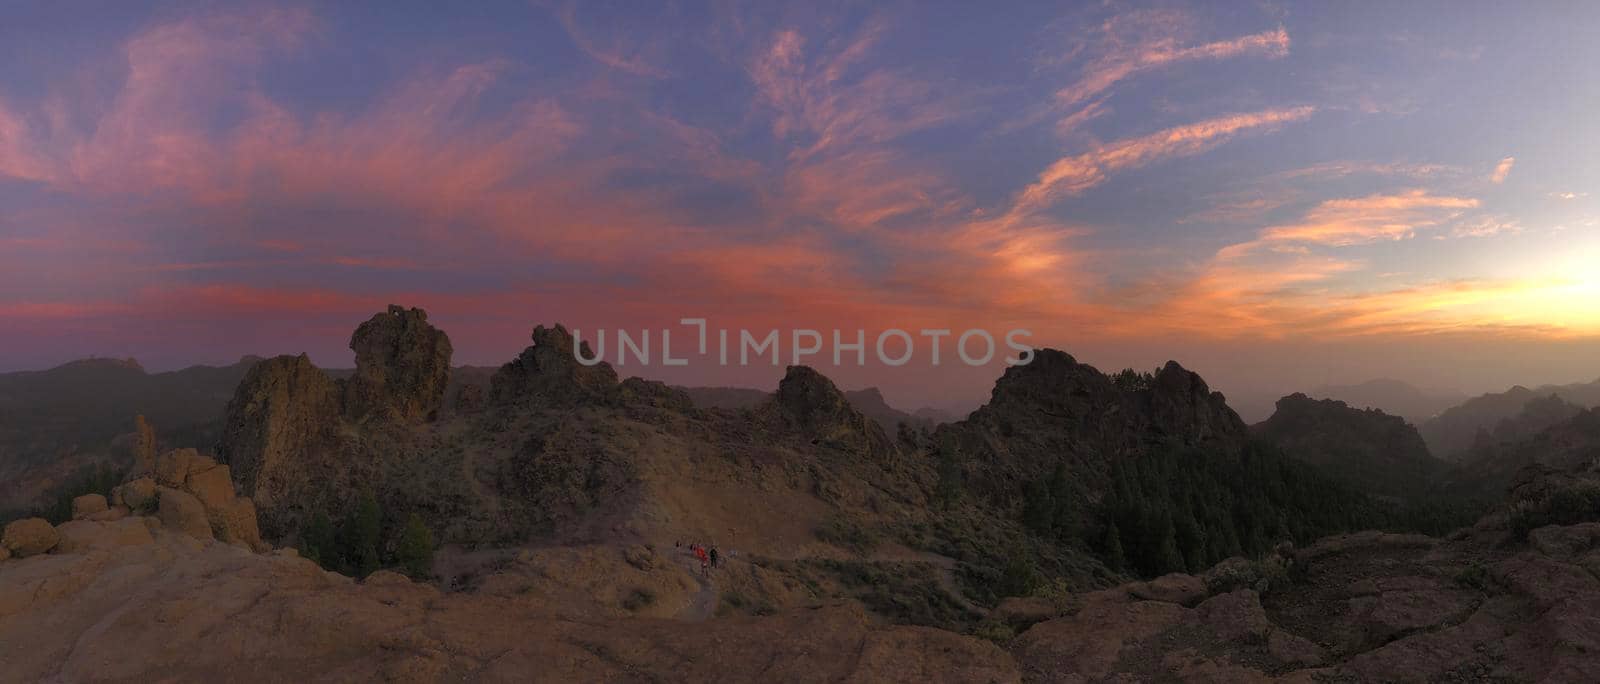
<point x="1183" y="510"/>
<point x="414" y="553"/>
<point x="94" y="478"/>
<point x="357" y="545"/>
<point x="1563" y="505"/>
<point x="1474" y="576"/>
<point x="1130" y="380"/>
<point x="639" y="599"/>
<point x="904" y="592"/>
<point x="362" y="534"/>
<point x="947" y="464"/>
<point x="845" y="532"/>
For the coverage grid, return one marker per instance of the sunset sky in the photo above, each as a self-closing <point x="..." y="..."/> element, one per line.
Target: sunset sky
<point x="1278" y="195"/>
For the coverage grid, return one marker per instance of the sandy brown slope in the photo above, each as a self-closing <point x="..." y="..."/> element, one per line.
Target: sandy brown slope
<point x="165" y="607"/>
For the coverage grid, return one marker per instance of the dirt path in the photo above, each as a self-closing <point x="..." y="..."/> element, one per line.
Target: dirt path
<point x="704" y="604"/>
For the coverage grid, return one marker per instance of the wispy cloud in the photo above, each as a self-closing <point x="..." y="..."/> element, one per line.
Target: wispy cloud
<point x="1124" y="59"/>
<point x="631" y="56"/>
<point x="1344" y="222"/>
<point x="1072" y="175"/>
<point x="1501" y="170"/>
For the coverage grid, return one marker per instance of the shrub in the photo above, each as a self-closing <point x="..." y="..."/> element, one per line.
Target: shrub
<point x="1568" y="505"/>
<point x="638" y="599"/>
<point x="842" y="531"/>
<point x="414" y="552"/>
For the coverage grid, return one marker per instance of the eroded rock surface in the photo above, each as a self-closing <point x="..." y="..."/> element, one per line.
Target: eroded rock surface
<point x="402" y="367"/>
<point x="166" y="607"/>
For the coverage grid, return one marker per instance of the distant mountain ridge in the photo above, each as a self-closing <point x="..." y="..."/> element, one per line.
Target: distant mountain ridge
<point x="1394" y="397"/>
<point x="54" y="421"/>
<point x="1454" y="431"/>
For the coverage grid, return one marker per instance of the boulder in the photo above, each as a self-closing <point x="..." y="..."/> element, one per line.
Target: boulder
<point x="83" y="535"/>
<point x="182" y="512"/>
<point x="1403" y="611"/>
<point x="212" y="486"/>
<point x="110" y="514"/>
<point x="29" y="536"/>
<point x="1565" y="541"/>
<point x="174" y="467"/>
<point x="1172" y="588"/>
<point x="138" y="495"/>
<point x="87" y="505"/>
<point x="235" y="522"/>
<point x="1236" y="616"/>
<point x="1294" y="651"/>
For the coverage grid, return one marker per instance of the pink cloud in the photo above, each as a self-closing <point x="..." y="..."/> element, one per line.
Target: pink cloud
<point x="1501" y="170"/>
<point x="1072" y="175"/>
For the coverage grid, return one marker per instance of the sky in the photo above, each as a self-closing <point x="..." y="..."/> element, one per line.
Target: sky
<point x="1276" y="194"/>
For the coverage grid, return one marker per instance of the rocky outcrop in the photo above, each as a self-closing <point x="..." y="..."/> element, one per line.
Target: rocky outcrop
<point x="1180" y="406"/>
<point x="195" y="495"/>
<point x="1363" y="607"/>
<point x="548" y="371"/>
<point x="280" y="432"/>
<point x="808" y="404"/>
<point x="1055" y="410"/>
<point x="1173" y="588"/>
<point x="138" y="495"/>
<point x="144" y="445"/>
<point x="402" y="368"/>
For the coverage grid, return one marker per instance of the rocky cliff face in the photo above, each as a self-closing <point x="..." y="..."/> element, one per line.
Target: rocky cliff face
<point x="1179" y="406"/>
<point x="280" y="434"/>
<point x="402" y="367"/>
<point x="809" y="405"/>
<point x="1055" y="409"/>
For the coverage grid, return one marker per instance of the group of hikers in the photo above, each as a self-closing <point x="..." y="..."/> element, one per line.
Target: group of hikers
<point x="707" y="556"/>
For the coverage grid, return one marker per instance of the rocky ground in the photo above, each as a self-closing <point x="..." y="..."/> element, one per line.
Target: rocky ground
<point x="119" y="597"/>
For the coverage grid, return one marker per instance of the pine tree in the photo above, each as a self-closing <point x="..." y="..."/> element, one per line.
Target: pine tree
<point x="1038" y="510"/>
<point x="1168" y="557"/>
<point x="415" y="550"/>
<point x="948" y="489"/>
<point x="1113" y="547"/>
<point x="317" y="542"/>
<point x="363" y="533"/>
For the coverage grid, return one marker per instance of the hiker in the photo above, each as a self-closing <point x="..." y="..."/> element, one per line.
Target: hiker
<point x="713" y="556"/>
<point x="705" y="561"/>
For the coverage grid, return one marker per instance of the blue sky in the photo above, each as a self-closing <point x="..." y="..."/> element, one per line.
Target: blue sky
<point x="1279" y="194"/>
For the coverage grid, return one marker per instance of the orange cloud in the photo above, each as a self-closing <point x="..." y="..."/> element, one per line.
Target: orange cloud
<point x="1344" y="222"/>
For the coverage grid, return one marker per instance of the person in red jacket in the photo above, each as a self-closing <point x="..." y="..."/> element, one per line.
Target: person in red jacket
<point x="705" y="561"/>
